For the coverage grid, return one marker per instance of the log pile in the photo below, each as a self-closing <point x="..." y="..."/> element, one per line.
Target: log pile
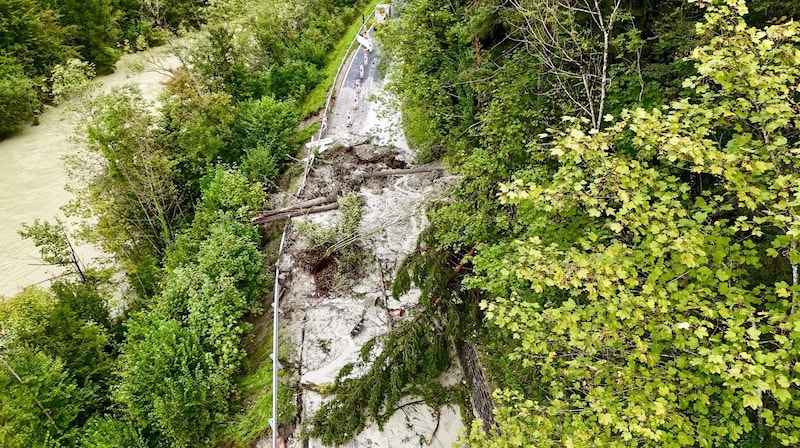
<point x="317" y="205"/>
<point x="329" y="202"/>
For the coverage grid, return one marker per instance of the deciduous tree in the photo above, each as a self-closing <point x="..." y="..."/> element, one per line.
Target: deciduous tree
<point x="667" y="318"/>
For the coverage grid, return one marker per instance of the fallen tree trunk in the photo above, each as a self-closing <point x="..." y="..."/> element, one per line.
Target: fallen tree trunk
<point x="479" y="391"/>
<point x="401" y="172"/>
<point x="295" y="212"/>
<point x="300" y="205"/>
<point x="308" y="206"/>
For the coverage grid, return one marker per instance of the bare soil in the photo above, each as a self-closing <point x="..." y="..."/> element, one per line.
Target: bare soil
<point x="322" y="267"/>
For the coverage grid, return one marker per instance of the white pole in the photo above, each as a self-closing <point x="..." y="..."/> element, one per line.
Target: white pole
<point x="275" y="310"/>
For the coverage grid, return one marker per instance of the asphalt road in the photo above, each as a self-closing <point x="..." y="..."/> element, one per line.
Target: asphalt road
<point x="345" y="98"/>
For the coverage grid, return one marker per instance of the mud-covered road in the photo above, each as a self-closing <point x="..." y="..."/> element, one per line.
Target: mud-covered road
<point x="317" y="322"/>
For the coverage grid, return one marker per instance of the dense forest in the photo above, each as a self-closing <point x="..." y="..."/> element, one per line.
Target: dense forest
<point x="622" y="246"/>
<point x="39" y="36"/>
<point x="167" y="189"/>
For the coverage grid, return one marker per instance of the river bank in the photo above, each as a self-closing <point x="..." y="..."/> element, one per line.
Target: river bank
<point x="32" y="174"/>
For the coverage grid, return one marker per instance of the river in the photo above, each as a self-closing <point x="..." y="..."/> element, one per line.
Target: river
<point x="32" y="174"/>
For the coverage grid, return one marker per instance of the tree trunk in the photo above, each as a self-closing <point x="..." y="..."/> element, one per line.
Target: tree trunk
<point x="295" y="212"/>
<point x="481" y="397"/>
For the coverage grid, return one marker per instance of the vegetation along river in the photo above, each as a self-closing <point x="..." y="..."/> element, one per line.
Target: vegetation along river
<point x="32" y="173"/>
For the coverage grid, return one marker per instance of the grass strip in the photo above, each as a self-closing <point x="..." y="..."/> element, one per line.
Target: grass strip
<point x="253" y="420"/>
<point x="304" y="135"/>
<point x="315" y="100"/>
<point x="255" y="387"/>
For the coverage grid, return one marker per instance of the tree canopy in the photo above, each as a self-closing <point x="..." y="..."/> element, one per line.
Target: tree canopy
<point x="627" y="213"/>
<point x="622" y="246"/>
<point x="669" y="319"/>
<point x="167" y="189"/>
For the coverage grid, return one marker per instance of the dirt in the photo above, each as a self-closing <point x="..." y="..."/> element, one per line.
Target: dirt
<point x="372" y="156"/>
<point x="320" y="314"/>
<point x="322" y="267"/>
<point x="338" y="169"/>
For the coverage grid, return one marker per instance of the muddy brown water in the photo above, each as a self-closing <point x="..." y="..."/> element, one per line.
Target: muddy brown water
<point x="32" y="174"/>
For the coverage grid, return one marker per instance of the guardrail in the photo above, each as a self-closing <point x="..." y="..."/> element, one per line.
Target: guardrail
<point x="277" y="286"/>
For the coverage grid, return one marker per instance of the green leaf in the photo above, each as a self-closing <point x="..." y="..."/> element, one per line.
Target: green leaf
<point x="701" y="332"/>
<point x="782" y="395"/>
<point x="752" y="401"/>
<point x="753" y="333"/>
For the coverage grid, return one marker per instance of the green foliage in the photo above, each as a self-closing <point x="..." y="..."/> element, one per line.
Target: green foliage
<point x="51" y="239"/>
<point x="165" y="196"/>
<point x="761" y="13"/>
<point x="107" y="432"/>
<point x="256" y="388"/>
<point x="54" y="244"/>
<point x="408" y="360"/>
<point x="41" y="404"/>
<point x="293" y="79"/>
<point x="227" y="197"/>
<point x="307" y="25"/>
<point x="197" y="271"/>
<point x="22" y="314"/>
<point x="219" y="63"/>
<point x="55" y="366"/>
<point x="38" y="320"/>
<point x="654" y="67"/>
<point x="70" y="79"/>
<point x="415" y="353"/>
<point x="85" y="299"/>
<point x="135" y="195"/>
<point x="646" y="326"/>
<point x="145" y="274"/>
<point x="189" y="341"/>
<point x="281" y="49"/>
<point x="32" y="35"/>
<point x="40" y="42"/>
<point x="91" y="28"/>
<point x="234" y="268"/>
<point x="231" y="249"/>
<point x="18" y="100"/>
<point x="174" y="14"/>
<point x="267" y="123"/>
<point x="260" y="165"/>
<point x="168" y="386"/>
<point x="339" y="243"/>
<point x="580" y="300"/>
<point x="346" y="227"/>
<point x="436" y="106"/>
<point x="228" y="191"/>
<point x="197" y="129"/>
